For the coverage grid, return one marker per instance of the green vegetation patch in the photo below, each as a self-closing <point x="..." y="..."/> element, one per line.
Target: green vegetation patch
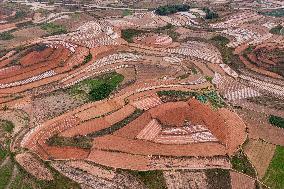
<point x="7" y="126"/>
<point x="3" y="153"/>
<point x="171" y="9"/>
<point x="78" y="141"/>
<point x="275" y="13"/>
<point x="227" y="53"/>
<point x="5" y="174"/>
<point x="97" y="89"/>
<point x="203" y="96"/>
<point x="27" y="181"/>
<point x="277" y="121"/>
<point x="88" y="58"/>
<point x="126" y="12"/>
<point x="221" y="40"/>
<point x="275" y="172"/>
<point x="210" y="14"/>
<point x="6" y="36"/>
<point x="218" y="178"/>
<point x="241" y="163"/>
<point x="129" y="34"/>
<point x="278" y="30"/>
<point x="53" y="29"/>
<point x="151" y="179"/>
<point x="169" y="29"/>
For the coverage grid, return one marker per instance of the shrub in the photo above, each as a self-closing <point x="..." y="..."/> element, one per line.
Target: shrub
<point x="129" y="34"/>
<point x="8" y="126"/>
<point x="100" y="92"/>
<point x="171" y="9"/>
<point x="210" y="14"/>
<point x="277" y="30"/>
<point x="88" y="58"/>
<point x="220" y="39"/>
<point x="209" y="78"/>
<point x="6" y="36"/>
<point x="277" y="121"/>
<point x="20" y="14"/>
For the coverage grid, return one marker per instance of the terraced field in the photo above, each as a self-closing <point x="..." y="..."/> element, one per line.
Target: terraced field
<point x="103" y="94"/>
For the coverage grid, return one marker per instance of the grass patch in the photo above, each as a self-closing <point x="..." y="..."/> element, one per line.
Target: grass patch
<point x="53" y="29"/>
<point x="7" y="126"/>
<point x="151" y="179"/>
<point x="3" y="153"/>
<point x="241" y="163"/>
<point x="78" y="141"/>
<point x="275" y="172"/>
<point x="25" y="180"/>
<point x="6" y="36"/>
<point x="17" y="182"/>
<point x="5" y="174"/>
<point x="204" y="96"/>
<point x="126" y="12"/>
<point x="276" y="121"/>
<point x="218" y="178"/>
<point x="97" y="89"/>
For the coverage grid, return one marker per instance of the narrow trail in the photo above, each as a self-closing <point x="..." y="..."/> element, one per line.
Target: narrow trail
<point x="12" y="178"/>
<point x="5" y="162"/>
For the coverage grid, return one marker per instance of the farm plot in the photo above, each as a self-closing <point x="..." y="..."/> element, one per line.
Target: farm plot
<point x="258" y="128"/>
<point x="33" y="166"/>
<point x="51" y="105"/>
<point x="274" y="174"/>
<point x="260" y="153"/>
<point x="199" y="50"/>
<point x="180" y="179"/>
<point x="92" y="180"/>
<point x="240" y="181"/>
<point x="233" y="90"/>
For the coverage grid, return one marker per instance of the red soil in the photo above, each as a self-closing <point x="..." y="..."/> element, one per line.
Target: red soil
<point x="52" y="62"/>
<point x="7" y="26"/>
<point x="67" y="152"/>
<point x="241" y="181"/>
<point x="258" y="70"/>
<point x="203" y="114"/>
<point x="86" y="128"/>
<point x="133" y="128"/>
<point x="99" y="123"/>
<point x="115" y="143"/>
<point x="236" y="129"/>
<point x="224" y="124"/>
<point x="171" y="114"/>
<point x="119" y="160"/>
<point x="36" y="57"/>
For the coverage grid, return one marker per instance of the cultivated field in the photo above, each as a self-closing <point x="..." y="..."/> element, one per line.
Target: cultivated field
<point x="111" y="94"/>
